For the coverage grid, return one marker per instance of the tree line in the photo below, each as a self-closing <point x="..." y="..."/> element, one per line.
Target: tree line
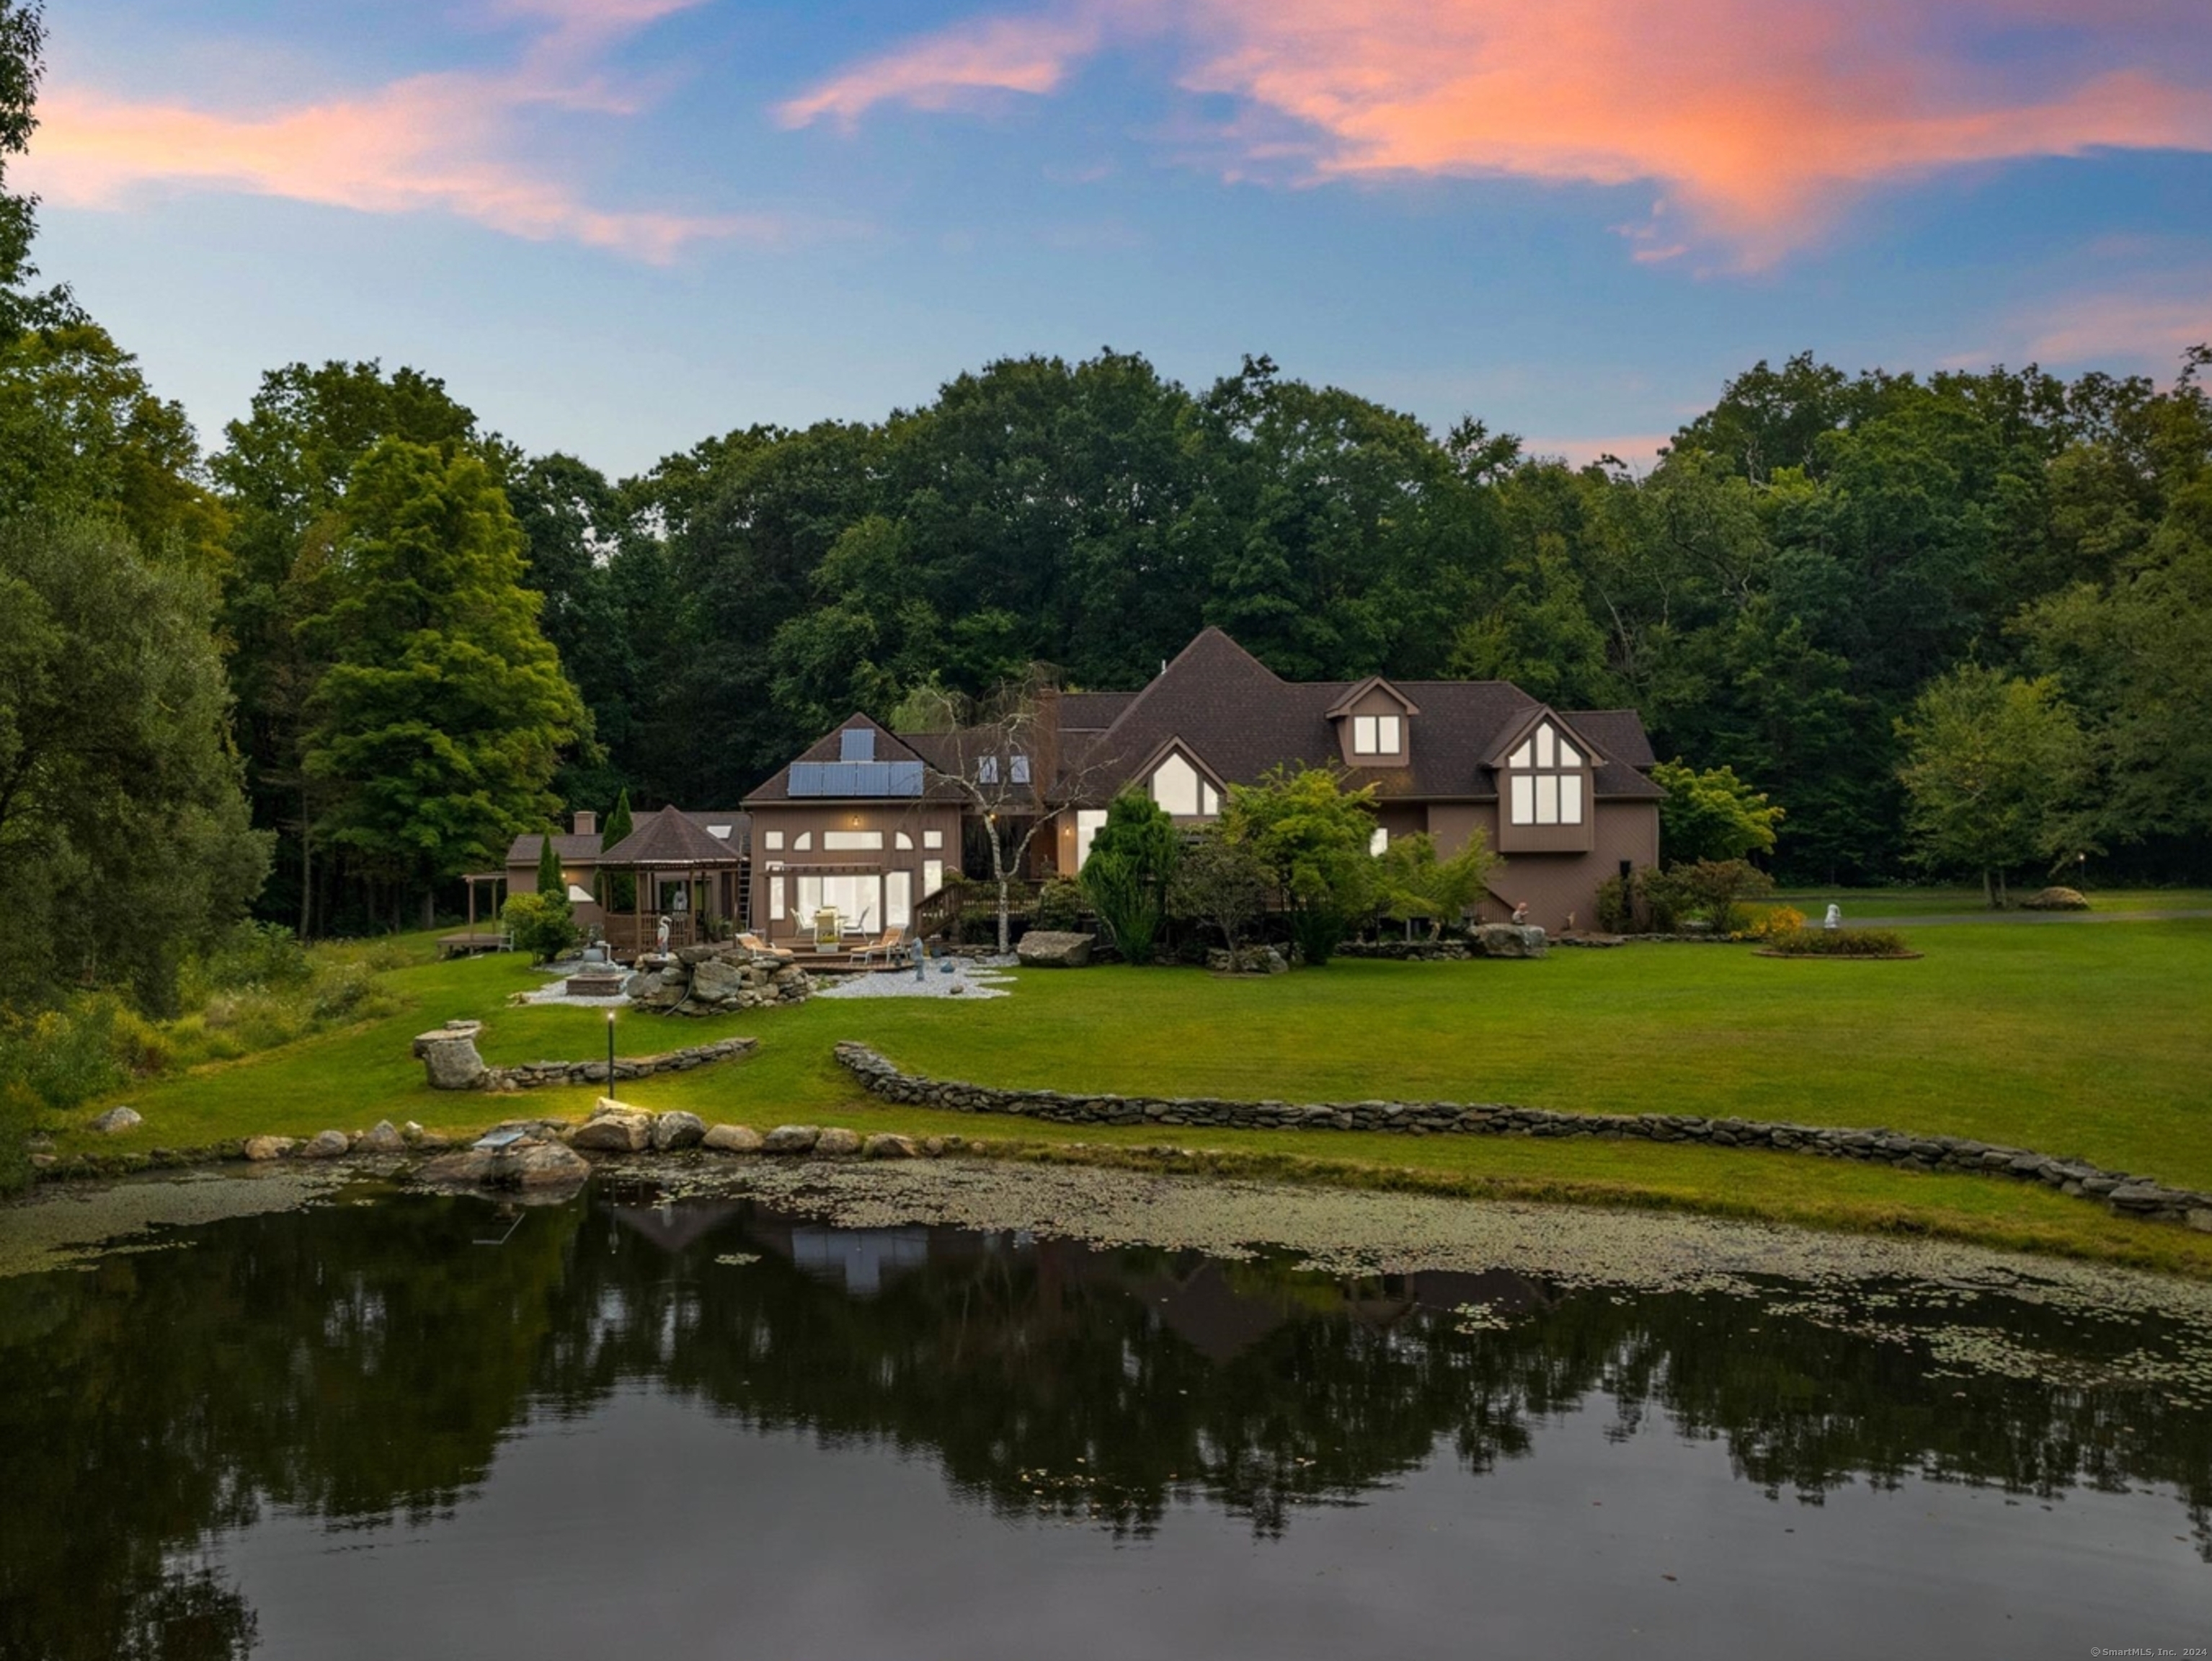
<point x="344" y="652"/>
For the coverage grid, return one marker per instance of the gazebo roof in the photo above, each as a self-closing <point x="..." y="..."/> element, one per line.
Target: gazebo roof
<point x="667" y="837"/>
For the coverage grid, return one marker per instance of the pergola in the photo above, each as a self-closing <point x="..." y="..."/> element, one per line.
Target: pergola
<point x="664" y="846"/>
<point x="469" y="939"/>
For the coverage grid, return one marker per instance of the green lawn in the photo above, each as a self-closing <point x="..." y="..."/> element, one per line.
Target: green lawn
<point x="1861" y="903"/>
<point x="2082" y="1041"/>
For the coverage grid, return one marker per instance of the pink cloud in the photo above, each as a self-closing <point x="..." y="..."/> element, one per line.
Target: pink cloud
<point x="431" y="143"/>
<point x="2151" y="330"/>
<point x="1760" y="117"/>
<point x="945" y="70"/>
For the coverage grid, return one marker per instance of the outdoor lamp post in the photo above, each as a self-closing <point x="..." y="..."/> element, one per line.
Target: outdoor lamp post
<point x="611" y="1053"/>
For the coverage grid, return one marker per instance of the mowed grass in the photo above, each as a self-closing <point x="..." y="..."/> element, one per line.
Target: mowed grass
<point x="2085" y="1041"/>
<point x="1860" y="904"/>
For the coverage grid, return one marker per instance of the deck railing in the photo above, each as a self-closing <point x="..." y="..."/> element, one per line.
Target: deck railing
<point x="938" y="915"/>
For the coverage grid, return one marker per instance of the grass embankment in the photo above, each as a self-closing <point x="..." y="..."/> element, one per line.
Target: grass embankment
<point x="2082" y="1042"/>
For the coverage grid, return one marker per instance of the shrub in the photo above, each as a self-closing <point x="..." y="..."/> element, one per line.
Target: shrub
<point x="1311" y="837"/>
<point x="1133" y="859"/>
<point x="1709" y="886"/>
<point x="1839" y="943"/>
<point x="1616" y="907"/>
<point x="1778" y="920"/>
<point x="1222" y="882"/>
<point x="1059" y="906"/>
<point x="256" y="954"/>
<point x="541" y="925"/>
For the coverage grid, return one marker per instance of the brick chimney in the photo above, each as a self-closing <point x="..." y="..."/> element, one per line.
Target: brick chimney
<point x="588" y="824"/>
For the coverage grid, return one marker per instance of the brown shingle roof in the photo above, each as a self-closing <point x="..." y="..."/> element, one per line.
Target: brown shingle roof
<point x="1242" y="719"/>
<point x="669" y="837"/>
<point x="574" y="850"/>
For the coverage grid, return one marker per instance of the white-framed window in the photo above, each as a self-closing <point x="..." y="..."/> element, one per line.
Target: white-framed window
<point x="803" y="843"/>
<point x="1544" y="780"/>
<point x="1021" y="769"/>
<point x="852" y="842"/>
<point x="772" y="840"/>
<point x="1179" y="790"/>
<point x="1377" y="735"/>
<point x="1089" y="822"/>
<point x="898" y="898"/>
<point x="903" y="842"/>
<point x="1379" y="841"/>
<point x="986" y="770"/>
<point x="775" y="898"/>
<point x="932" y="839"/>
<point x="932" y="876"/>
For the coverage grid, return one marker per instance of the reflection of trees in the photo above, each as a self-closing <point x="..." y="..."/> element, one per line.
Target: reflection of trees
<point x="361" y="1363"/>
<point x="356" y="1364"/>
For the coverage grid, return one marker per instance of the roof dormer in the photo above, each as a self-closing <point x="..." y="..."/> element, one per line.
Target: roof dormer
<point x="1373" y="724"/>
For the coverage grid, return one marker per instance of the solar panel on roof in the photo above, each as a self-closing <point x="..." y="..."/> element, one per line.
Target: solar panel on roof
<point x="856" y="744"/>
<point x="856" y="778"/>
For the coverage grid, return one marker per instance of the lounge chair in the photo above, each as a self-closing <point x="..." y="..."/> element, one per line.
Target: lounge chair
<point x="760" y="948"/>
<point x="886" y="945"/>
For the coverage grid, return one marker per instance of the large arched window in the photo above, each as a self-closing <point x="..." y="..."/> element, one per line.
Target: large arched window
<point x="1544" y="780"/>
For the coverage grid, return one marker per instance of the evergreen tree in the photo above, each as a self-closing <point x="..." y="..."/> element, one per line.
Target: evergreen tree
<point x="621" y="886"/>
<point x="437" y="727"/>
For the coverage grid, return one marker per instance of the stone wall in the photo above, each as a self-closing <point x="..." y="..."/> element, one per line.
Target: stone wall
<point x="535" y="1076"/>
<point x="2138" y="1196"/>
<point x="449" y="1056"/>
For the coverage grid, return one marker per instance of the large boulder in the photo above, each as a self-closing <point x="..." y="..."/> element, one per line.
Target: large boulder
<point x="791" y="1138"/>
<point x="889" y="1145"/>
<point x="2055" y="900"/>
<point x="731" y="1138"/>
<point x="838" y="1143"/>
<point x="614" y="1128"/>
<point x="116" y="1119"/>
<point x="384" y="1138"/>
<point x="1508" y="939"/>
<point x="716" y="979"/>
<point x="677" y="1130"/>
<point x="448" y="1054"/>
<point x="261" y="1149"/>
<point x="525" y="1165"/>
<point x="325" y="1145"/>
<point x="1248" y="960"/>
<point x="1053" y="948"/>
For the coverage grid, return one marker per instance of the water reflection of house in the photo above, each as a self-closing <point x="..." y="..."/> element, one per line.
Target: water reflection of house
<point x="675" y="1228"/>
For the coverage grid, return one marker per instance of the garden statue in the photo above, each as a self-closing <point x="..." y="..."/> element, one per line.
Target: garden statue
<point x="1835" y="917"/>
<point x="661" y="935"/>
<point x="1521" y="914"/>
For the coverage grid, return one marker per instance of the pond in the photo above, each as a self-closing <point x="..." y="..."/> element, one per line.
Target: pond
<point x="806" y="1412"/>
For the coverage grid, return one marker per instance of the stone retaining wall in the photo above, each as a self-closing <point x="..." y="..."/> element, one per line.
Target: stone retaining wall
<point x="2138" y="1197"/>
<point x="535" y="1076"/>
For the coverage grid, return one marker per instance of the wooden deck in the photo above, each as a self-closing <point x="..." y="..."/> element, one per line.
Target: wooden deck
<point x="468" y="942"/>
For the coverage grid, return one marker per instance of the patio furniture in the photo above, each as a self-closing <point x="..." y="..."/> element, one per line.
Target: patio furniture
<point x="760" y="948"/>
<point x="827" y="935"/>
<point x="886" y="947"/>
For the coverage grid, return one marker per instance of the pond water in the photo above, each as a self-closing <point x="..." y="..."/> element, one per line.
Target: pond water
<point x="807" y="1417"/>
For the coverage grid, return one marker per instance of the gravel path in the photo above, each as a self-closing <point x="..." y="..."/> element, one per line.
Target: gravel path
<point x="980" y="978"/>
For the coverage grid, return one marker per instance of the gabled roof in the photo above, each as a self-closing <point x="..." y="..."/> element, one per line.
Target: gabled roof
<point x="1238" y="718"/>
<point x="1360" y="690"/>
<point x="669" y="837"/>
<point x="527" y="849"/>
<point x="889" y="746"/>
<point x="1508" y="737"/>
<point x="1092" y="712"/>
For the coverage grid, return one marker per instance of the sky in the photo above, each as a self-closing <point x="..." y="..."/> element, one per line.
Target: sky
<point x="618" y="227"/>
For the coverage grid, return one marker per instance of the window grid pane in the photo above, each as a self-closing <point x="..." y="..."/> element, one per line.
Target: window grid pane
<point x="1571" y="798"/>
<point x="1548" y="798"/>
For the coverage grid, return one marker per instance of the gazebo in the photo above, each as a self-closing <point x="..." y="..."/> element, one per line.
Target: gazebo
<point x="688" y="874"/>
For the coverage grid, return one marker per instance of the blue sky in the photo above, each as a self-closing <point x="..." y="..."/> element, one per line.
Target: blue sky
<point x="616" y="227"/>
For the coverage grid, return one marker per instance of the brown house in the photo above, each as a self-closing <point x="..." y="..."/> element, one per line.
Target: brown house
<point x="867" y="822"/>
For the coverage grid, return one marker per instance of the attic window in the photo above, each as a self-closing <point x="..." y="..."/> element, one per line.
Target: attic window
<point x="1021" y="764"/>
<point x="1177" y="788"/>
<point x="1546" y="780"/>
<point x="1377" y="735"/>
<point x="986" y="770"/>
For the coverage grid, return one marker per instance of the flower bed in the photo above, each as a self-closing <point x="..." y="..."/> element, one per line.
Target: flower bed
<point x="1877" y="943"/>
